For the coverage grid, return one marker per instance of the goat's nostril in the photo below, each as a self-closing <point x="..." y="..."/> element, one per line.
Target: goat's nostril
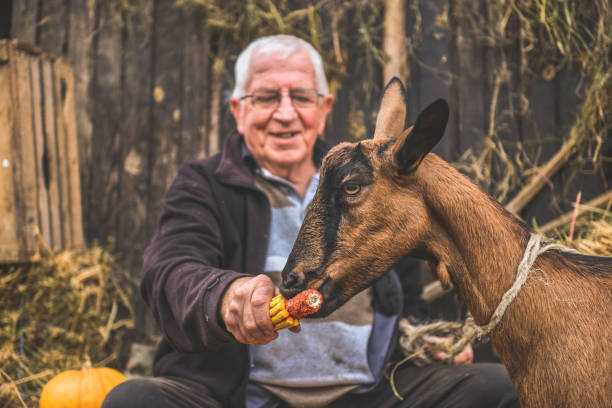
<point x="292" y="285"/>
<point x="291" y="280"/>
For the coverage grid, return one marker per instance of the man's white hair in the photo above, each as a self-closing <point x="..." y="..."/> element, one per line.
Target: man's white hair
<point x="286" y="45"/>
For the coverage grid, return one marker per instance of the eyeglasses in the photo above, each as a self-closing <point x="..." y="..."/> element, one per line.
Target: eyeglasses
<point x="270" y="98"/>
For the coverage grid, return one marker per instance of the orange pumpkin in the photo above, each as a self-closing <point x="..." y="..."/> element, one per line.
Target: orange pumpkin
<point x="84" y="388"/>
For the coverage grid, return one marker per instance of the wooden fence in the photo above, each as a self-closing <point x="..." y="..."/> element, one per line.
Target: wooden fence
<point x="146" y="98"/>
<point x="40" y="191"/>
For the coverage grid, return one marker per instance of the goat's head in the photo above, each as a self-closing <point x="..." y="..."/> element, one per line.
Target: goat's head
<point x="348" y="238"/>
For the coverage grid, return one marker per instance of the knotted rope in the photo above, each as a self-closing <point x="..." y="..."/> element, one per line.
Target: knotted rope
<point x="416" y="340"/>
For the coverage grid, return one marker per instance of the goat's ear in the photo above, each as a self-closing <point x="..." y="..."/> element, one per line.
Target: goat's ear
<point x="415" y="143"/>
<point x="391" y="118"/>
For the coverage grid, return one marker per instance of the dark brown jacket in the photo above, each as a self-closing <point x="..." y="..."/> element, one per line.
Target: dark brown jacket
<point x="214" y="229"/>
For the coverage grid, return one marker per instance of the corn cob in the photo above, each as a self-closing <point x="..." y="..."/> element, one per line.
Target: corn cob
<point x="286" y="313"/>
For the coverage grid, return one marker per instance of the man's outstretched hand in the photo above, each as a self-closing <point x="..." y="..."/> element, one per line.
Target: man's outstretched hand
<point x="245" y="309"/>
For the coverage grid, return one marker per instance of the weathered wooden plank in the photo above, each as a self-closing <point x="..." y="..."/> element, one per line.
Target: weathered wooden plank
<point x="166" y="130"/>
<point x="52" y="27"/>
<point x="136" y="129"/>
<point x="23" y="23"/>
<point x="65" y="75"/>
<point x="413" y="35"/>
<point x="205" y="69"/>
<point x="194" y="104"/>
<point x="471" y="76"/>
<point x="358" y="88"/>
<point x="5" y="18"/>
<point x="26" y="189"/>
<point x="537" y="197"/>
<point x="539" y="139"/>
<point x="135" y="132"/>
<point x="435" y="76"/>
<point x="503" y="100"/>
<point x="589" y="181"/>
<point x="59" y="89"/>
<point x="336" y="129"/>
<point x="215" y="125"/>
<point x="81" y="17"/>
<point x="226" y="120"/>
<point x="542" y="176"/>
<point x="41" y="161"/>
<point x="4" y="52"/>
<point x="539" y="127"/>
<point x="37" y="152"/>
<point x="568" y="101"/>
<point x="104" y="168"/>
<point x="9" y="244"/>
<point x="50" y="131"/>
<point x="512" y="91"/>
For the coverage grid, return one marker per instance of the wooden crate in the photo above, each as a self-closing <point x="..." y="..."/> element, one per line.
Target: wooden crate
<point x="40" y="192"/>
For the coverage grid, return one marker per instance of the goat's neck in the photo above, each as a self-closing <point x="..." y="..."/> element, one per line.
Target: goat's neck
<point x="472" y="236"/>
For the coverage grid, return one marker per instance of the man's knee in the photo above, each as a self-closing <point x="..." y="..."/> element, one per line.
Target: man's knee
<point x="138" y="392"/>
<point x="489" y="386"/>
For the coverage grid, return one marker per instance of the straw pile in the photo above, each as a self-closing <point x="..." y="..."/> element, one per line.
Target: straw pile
<point x="592" y="233"/>
<point x="57" y="313"/>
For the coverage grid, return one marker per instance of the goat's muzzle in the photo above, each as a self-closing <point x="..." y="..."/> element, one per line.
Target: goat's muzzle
<point x="293" y="284"/>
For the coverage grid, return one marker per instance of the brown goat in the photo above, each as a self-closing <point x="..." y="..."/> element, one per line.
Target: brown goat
<point x="383" y="198"/>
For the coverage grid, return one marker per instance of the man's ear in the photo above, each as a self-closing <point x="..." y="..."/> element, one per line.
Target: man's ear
<point x="414" y="144"/>
<point x="391" y="118"/>
<point x="236" y="108"/>
<point x="327" y="102"/>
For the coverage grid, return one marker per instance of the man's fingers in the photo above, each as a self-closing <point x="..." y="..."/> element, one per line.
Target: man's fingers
<point x="439" y="355"/>
<point x="260" y="306"/>
<point x="246" y="310"/>
<point x="258" y="326"/>
<point x="262" y="321"/>
<point x="466" y="356"/>
<point x="245" y="330"/>
<point x="259" y="320"/>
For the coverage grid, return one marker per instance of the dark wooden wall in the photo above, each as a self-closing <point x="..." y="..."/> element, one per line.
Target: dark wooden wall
<point x="143" y="71"/>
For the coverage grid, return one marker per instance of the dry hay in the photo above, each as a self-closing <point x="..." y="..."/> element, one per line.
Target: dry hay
<point x="57" y="313"/>
<point x="592" y="233"/>
<point x="553" y="37"/>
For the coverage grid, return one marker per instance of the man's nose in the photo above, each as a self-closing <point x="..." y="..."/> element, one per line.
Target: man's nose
<point x="286" y="111"/>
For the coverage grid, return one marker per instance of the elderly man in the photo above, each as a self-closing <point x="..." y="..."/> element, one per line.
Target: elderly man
<point x="227" y="228"/>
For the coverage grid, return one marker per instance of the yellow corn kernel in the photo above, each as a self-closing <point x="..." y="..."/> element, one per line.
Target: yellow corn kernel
<point x="287" y="323"/>
<point x="276" y="300"/>
<point x="276" y="308"/>
<point x="280" y="317"/>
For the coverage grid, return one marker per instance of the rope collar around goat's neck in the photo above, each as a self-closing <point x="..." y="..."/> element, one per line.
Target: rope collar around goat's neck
<point x="470" y="329"/>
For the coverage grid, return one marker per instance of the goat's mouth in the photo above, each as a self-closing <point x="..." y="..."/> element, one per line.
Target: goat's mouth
<point x="329" y="289"/>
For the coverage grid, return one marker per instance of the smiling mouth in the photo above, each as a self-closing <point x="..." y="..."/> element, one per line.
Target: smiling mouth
<point x="284" y="135"/>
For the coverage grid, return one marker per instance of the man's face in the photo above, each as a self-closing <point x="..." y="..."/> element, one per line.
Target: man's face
<point x="281" y="137"/>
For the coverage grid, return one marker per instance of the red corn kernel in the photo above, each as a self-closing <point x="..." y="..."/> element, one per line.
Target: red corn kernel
<point x="304" y="303"/>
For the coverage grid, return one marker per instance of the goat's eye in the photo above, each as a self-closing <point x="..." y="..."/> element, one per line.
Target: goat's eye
<point x="352" y="188"/>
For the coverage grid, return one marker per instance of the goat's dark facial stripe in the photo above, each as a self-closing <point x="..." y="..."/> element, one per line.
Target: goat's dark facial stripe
<point x="348" y="162"/>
